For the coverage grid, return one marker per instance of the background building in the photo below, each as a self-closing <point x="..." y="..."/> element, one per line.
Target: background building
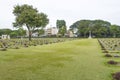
<point x="51" y="31"/>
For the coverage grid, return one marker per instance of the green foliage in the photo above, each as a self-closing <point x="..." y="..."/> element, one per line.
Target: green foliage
<point x="61" y="25"/>
<point x="21" y="32"/>
<point x="30" y="17"/>
<point x="62" y="30"/>
<point x="115" y="30"/>
<point x="5" y="31"/>
<point x="99" y="28"/>
<point x="14" y="33"/>
<point x="41" y="31"/>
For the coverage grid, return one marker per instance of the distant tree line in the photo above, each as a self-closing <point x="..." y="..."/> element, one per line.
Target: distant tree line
<point x="13" y="33"/>
<point x="29" y="17"/>
<point x="98" y="28"/>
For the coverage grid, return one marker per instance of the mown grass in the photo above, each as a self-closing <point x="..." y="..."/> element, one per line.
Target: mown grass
<point x="72" y="60"/>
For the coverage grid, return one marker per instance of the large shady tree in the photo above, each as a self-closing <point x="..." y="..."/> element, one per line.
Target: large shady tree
<point x="29" y="17"/>
<point x="98" y="28"/>
<point x="115" y="30"/>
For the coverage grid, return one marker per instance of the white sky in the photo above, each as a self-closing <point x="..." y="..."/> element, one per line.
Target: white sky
<point x="69" y="10"/>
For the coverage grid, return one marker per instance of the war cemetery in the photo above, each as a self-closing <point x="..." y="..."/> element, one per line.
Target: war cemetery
<point x="86" y="50"/>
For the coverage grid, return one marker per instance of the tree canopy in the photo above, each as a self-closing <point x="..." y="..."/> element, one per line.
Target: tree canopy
<point x="61" y="25"/>
<point x="99" y="28"/>
<point x="5" y="31"/>
<point x="115" y="30"/>
<point x="28" y="16"/>
<point x="13" y="33"/>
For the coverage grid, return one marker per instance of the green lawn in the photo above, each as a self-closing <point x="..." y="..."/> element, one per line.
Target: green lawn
<point x="73" y="60"/>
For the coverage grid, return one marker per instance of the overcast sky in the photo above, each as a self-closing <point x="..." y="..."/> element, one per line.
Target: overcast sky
<point x="69" y="10"/>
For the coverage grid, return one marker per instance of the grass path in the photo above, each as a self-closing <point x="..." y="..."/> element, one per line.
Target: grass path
<point x="73" y="60"/>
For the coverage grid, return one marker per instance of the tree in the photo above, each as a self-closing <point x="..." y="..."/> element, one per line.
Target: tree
<point x="14" y="33"/>
<point x="21" y="32"/>
<point x="101" y="28"/>
<point x="98" y="28"/>
<point x="114" y="30"/>
<point x="28" y="16"/>
<point x="61" y="25"/>
<point x="41" y="31"/>
<point x="83" y="26"/>
<point x="62" y="30"/>
<point x="5" y="31"/>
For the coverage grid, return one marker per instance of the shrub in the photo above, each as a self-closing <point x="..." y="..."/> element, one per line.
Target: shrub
<point x="16" y="47"/>
<point x="108" y="55"/>
<point x="3" y="49"/>
<point x="116" y="76"/>
<point x="112" y="62"/>
<point x="103" y="48"/>
<point x="105" y="51"/>
<point x="26" y="45"/>
<point x="35" y="45"/>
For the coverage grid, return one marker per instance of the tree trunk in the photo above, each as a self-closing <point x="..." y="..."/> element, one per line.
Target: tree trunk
<point x="29" y="32"/>
<point x="30" y="35"/>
